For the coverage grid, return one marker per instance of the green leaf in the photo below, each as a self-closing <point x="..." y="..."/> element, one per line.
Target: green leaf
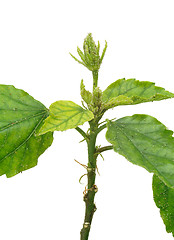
<point x="65" y="115"/>
<point x="103" y="53"/>
<point x="164" y="200"/>
<point x="136" y="91"/>
<point x="146" y="142"/>
<point x="86" y="95"/>
<point x="20" y="116"/>
<point x="116" y="101"/>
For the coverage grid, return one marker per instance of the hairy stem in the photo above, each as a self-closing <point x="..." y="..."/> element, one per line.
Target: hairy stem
<point x="92" y="189"/>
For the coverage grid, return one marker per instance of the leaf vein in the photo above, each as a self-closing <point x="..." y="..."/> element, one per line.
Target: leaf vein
<point x="30" y="135"/>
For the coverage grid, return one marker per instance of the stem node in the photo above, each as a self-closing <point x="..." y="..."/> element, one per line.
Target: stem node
<point x="86" y="225"/>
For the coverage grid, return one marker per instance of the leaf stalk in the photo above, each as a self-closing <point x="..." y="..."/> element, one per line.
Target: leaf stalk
<point x="103" y="149"/>
<point x="82" y="133"/>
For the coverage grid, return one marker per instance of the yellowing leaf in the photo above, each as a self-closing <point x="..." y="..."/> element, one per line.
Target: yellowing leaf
<point x="116" y="101"/>
<point x="65" y="115"/>
<point x="86" y="95"/>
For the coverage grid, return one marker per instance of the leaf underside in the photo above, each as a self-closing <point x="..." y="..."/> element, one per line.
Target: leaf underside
<point x="146" y="142"/>
<point x="65" y="115"/>
<point x="20" y="116"/>
<point x="164" y="200"/>
<point x="132" y="92"/>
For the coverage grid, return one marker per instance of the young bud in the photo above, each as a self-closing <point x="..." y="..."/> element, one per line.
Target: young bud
<point x="97" y="99"/>
<point x="90" y="58"/>
<point x="91" y="53"/>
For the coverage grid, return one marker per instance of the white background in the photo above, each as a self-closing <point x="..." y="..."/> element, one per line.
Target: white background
<point x="46" y="202"/>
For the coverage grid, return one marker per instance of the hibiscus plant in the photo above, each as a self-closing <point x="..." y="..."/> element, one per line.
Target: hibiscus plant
<point x="27" y="126"/>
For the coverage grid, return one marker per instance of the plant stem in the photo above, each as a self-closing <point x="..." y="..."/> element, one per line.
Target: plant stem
<point x="82" y="132"/>
<point x="103" y="149"/>
<point x="101" y="128"/>
<point x="95" y="79"/>
<point x="89" y="194"/>
<point x="92" y="189"/>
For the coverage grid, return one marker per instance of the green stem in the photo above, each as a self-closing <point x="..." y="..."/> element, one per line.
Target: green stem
<point x="95" y="79"/>
<point x="82" y="133"/>
<point x="101" y="128"/>
<point x="91" y="170"/>
<point x="92" y="189"/>
<point x="103" y="149"/>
